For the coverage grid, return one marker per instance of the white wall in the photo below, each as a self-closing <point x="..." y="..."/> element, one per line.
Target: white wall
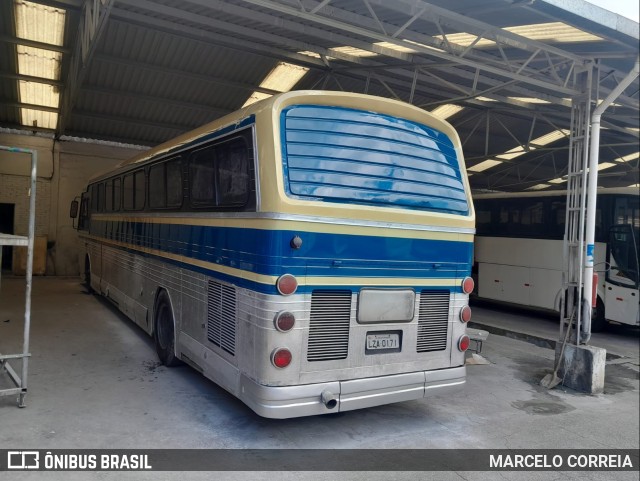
<point x="63" y="171"/>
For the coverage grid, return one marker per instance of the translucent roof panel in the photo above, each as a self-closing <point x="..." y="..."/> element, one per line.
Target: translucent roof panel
<point x="38" y="22"/>
<point x="37" y="62"/>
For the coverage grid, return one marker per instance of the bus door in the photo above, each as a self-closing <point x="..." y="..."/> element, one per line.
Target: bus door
<point x="621" y="281"/>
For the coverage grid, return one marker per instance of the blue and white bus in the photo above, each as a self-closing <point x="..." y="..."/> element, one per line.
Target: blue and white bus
<point x="518" y="255"/>
<point x="310" y="253"/>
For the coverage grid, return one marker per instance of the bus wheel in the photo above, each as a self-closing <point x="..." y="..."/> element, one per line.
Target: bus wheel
<point x="164" y="332"/>
<point x="598" y="321"/>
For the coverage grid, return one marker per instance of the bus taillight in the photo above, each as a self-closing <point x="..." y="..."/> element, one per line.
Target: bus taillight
<point x="284" y="321"/>
<point x="286" y="284"/>
<point x="281" y="357"/>
<point x="465" y="314"/>
<point x="463" y="343"/>
<point x="467" y="285"/>
<point x="594" y="290"/>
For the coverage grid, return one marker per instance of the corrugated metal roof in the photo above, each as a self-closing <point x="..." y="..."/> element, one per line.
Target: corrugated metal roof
<point x="161" y="67"/>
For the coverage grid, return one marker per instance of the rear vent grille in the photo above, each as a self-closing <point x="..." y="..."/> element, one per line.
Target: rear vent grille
<point x="329" y="325"/>
<point x="433" y="321"/>
<point x="221" y="316"/>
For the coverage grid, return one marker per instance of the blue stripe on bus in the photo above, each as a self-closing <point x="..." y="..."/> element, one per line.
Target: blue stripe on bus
<point x="336" y="154"/>
<point x="267" y="252"/>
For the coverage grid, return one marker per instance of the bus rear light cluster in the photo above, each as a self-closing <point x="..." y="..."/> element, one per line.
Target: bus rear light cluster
<point x="463" y="343"/>
<point x="286" y="284"/>
<point x="468" y="285"/>
<point x="465" y="314"/>
<point x="284" y="321"/>
<point x="281" y="357"/>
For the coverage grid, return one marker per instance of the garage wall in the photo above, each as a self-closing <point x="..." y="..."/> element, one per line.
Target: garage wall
<point x="63" y="171"/>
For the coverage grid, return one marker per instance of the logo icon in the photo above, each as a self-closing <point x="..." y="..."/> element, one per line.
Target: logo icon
<point x="23" y="460"/>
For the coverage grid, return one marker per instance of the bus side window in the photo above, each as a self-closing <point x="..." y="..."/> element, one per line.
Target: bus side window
<point x="133" y="186"/>
<point x="558" y="218"/>
<point x="232" y="179"/>
<point x="139" y="185"/>
<point x="108" y="192"/>
<point x="202" y="177"/>
<point x="127" y="192"/>
<point x="483" y="219"/>
<point x="165" y="185"/>
<point x="116" y="194"/>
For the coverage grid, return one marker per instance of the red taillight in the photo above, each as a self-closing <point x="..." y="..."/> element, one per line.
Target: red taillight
<point x="594" y="290"/>
<point x="465" y="314"/>
<point x="467" y="285"/>
<point x="281" y="357"/>
<point x="286" y="284"/>
<point x="463" y="343"/>
<point x="284" y="321"/>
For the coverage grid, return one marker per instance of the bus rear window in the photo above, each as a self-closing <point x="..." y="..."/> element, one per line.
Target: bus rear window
<point x="335" y="154"/>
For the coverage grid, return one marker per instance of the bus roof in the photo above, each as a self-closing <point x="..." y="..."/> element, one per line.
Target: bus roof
<point x="240" y="115"/>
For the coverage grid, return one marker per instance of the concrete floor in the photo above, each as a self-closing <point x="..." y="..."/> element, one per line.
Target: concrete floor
<point x="95" y="382"/>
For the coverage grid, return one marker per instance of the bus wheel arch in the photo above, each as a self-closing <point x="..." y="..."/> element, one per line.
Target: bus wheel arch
<point x="164" y="329"/>
<point x="598" y="321"/>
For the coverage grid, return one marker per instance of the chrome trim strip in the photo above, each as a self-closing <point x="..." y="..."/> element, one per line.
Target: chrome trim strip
<point x="295" y="218"/>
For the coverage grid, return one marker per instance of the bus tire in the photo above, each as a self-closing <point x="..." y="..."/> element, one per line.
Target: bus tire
<point x="598" y="321"/>
<point x="164" y="331"/>
<point x="87" y="275"/>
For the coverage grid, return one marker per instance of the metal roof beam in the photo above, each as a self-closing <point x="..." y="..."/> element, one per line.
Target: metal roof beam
<point x="136" y="96"/>
<point x="29" y="78"/>
<point x="210" y="39"/>
<point x="22" y="105"/>
<point x="33" y="43"/>
<point x="480" y="61"/>
<point x="130" y="120"/>
<point x="158" y="70"/>
<point x="234" y="29"/>
<point x="93" y="19"/>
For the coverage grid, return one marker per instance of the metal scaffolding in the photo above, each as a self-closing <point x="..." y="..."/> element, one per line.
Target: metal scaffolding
<point x="20" y="381"/>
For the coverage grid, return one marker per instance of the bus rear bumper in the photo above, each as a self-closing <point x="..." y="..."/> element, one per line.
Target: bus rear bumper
<point x="306" y="400"/>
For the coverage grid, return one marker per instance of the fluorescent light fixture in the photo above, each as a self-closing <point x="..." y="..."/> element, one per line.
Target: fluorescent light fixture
<point x="354" y="51"/>
<point x="538" y="187"/>
<point x="446" y="111"/>
<point x="485" y="99"/>
<point x="556" y="32"/>
<point x="634" y="185"/>
<point x="484" y="165"/>
<point x="282" y="78"/>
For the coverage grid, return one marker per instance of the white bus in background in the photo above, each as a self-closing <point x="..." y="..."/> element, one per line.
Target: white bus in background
<point x="518" y="251"/>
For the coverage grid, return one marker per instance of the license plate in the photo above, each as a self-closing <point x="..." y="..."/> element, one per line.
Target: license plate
<point x="383" y="342"/>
